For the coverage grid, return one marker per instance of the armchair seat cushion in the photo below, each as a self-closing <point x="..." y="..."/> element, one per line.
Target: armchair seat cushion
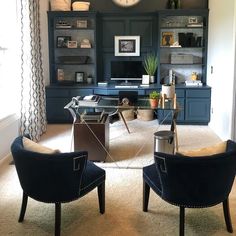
<point x="92" y="177"/>
<point x="149" y="175"/>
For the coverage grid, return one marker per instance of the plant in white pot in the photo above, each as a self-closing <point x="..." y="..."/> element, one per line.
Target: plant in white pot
<point x="150" y="65"/>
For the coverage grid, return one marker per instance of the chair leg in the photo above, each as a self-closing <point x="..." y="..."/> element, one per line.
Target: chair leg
<point x="227" y="216"/>
<point x="146" y="193"/>
<point x="23" y="207"/>
<point x="101" y="197"/>
<point x="181" y="221"/>
<point x="57" y="219"/>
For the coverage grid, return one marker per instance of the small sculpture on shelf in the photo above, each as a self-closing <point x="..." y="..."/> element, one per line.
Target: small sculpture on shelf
<point x="174" y="4"/>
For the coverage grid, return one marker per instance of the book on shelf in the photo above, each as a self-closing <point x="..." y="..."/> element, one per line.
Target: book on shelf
<point x="103" y="83"/>
<point x="195" y="25"/>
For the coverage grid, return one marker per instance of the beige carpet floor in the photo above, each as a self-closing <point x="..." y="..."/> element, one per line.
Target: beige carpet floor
<point x="123" y="214"/>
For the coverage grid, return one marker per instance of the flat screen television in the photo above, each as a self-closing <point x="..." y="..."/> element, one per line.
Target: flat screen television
<point x="126" y="70"/>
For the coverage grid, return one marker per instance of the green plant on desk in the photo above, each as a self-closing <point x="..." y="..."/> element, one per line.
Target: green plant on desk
<point x="154" y="99"/>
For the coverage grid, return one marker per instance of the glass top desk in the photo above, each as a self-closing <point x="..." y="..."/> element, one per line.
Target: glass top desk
<point x="111" y="106"/>
<point x="114" y="104"/>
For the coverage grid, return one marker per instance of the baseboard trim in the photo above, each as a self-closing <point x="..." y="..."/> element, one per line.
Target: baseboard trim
<point x="6" y="160"/>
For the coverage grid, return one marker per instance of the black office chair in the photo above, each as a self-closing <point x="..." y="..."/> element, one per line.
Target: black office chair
<point x="56" y="178"/>
<point x="192" y="182"/>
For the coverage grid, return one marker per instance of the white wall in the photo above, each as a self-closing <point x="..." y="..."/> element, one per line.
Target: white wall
<point x="221" y="56"/>
<point x="9" y="129"/>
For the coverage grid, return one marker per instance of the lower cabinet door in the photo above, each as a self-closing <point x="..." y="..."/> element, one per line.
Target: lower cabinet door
<point x="165" y="116"/>
<point x="56" y="112"/>
<point x="197" y="110"/>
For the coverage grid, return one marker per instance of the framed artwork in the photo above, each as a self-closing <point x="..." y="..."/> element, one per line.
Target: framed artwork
<point x="72" y="44"/>
<point x="82" y="24"/>
<point x="167" y="38"/>
<point x="62" y="41"/>
<point x="192" y="20"/>
<point x="127" y="45"/>
<point x="79" y="77"/>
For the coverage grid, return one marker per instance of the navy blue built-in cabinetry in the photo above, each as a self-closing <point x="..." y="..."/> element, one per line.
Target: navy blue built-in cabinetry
<point x="100" y="28"/>
<point x="194" y="102"/>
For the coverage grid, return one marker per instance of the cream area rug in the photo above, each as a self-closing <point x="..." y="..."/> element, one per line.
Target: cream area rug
<point x="124" y="215"/>
<point x="133" y="150"/>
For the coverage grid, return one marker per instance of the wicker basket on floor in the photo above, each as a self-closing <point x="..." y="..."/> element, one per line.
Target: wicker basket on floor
<point x="128" y="114"/>
<point x="145" y="115"/>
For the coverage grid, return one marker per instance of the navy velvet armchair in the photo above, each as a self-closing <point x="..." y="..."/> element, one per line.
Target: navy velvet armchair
<point x="192" y="182"/>
<point x="56" y="178"/>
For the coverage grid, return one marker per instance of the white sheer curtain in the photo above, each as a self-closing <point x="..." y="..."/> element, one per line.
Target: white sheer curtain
<point x="9" y="59"/>
<point x="33" y="112"/>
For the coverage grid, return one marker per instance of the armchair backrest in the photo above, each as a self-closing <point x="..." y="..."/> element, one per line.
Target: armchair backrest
<point x="196" y="181"/>
<point x="49" y="177"/>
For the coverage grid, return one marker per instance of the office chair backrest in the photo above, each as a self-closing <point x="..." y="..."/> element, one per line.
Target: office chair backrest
<point x="49" y="177"/>
<point x="196" y="181"/>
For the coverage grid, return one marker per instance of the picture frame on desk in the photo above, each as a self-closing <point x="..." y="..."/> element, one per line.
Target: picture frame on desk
<point x="62" y="41"/>
<point x="79" y="77"/>
<point x="127" y="45"/>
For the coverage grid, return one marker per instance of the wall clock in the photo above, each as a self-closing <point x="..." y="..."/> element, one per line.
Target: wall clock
<point x="126" y="3"/>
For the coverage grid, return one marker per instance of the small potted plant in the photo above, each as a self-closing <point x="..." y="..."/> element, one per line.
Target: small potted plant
<point x="154" y="99"/>
<point x="150" y="65"/>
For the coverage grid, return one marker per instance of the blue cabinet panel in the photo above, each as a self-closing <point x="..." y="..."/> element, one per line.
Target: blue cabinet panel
<point x="198" y="93"/>
<point x="197" y="110"/>
<point x="56" y="112"/>
<point x="80" y="92"/>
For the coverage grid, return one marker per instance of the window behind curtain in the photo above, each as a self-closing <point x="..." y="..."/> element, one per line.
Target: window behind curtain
<point x="9" y="58"/>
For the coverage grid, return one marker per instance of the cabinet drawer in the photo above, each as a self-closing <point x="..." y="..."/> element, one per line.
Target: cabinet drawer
<point x="58" y="93"/>
<point x="198" y="93"/>
<point x="80" y="92"/>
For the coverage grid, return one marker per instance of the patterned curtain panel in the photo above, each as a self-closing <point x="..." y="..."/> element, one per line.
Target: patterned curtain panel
<point x="33" y="112"/>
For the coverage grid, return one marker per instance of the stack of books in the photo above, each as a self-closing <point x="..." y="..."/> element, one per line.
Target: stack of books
<point x="193" y="83"/>
<point x="90" y="100"/>
<point x="103" y="83"/>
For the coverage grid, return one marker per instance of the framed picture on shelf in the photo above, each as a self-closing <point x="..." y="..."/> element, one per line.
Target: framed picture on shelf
<point x="192" y="20"/>
<point x="62" y="41"/>
<point x="167" y="39"/>
<point x="72" y="44"/>
<point x="127" y="45"/>
<point x="79" y="77"/>
<point x="60" y="75"/>
<point x="82" y="24"/>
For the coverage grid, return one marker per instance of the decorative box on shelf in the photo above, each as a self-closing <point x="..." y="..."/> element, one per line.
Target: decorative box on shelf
<point x="181" y="58"/>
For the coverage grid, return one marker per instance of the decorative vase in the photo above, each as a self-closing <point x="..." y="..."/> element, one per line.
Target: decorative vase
<point x="154" y="102"/>
<point x="168" y="90"/>
<point x="152" y="79"/>
<point x="178" y="4"/>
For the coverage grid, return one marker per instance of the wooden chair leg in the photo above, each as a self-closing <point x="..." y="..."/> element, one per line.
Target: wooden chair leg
<point x="23" y="207"/>
<point x="181" y="221"/>
<point x="101" y="197"/>
<point x="57" y="219"/>
<point x="146" y="193"/>
<point x="227" y="216"/>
